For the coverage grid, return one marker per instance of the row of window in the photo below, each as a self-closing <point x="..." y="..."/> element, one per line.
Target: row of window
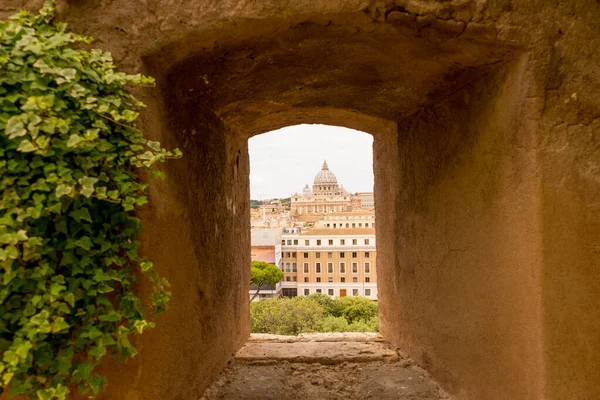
<point x="354" y="225"/>
<point x="354" y="254"/>
<point x="331" y="292"/>
<point x="292" y="267"/>
<point x="329" y="280"/>
<point x="294" y="242"/>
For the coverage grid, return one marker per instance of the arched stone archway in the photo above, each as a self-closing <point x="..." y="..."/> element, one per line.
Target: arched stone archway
<point x="484" y="115"/>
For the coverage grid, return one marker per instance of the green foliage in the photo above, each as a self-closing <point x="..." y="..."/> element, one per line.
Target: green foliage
<point x="284" y="316"/>
<point x="332" y="306"/>
<point x="314" y="313"/>
<point x="356" y="309"/>
<point x="69" y="152"/>
<point x="255" y="203"/>
<point x="262" y="273"/>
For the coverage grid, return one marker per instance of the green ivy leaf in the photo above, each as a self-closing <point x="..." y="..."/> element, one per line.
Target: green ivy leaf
<point x="85" y="243"/>
<point x="154" y="145"/>
<point x="59" y="325"/>
<point x="74" y="140"/>
<point x="26" y="147"/>
<point x="15" y="128"/>
<point x="70" y="299"/>
<point x="88" y="185"/>
<point x="81" y="214"/>
<point x="62" y="190"/>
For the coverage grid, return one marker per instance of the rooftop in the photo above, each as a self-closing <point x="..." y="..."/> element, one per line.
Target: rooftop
<point x="338" y="231"/>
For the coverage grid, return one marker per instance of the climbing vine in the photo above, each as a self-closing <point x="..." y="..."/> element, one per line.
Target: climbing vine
<point x="70" y="155"/>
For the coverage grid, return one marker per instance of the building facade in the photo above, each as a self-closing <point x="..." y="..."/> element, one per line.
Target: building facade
<point x="326" y="196"/>
<point x="335" y="262"/>
<point x="349" y="220"/>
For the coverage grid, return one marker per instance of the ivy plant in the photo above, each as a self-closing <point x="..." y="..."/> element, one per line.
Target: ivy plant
<point x="70" y="163"/>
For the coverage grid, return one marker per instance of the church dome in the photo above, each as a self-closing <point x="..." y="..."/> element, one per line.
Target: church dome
<point x="325" y="176"/>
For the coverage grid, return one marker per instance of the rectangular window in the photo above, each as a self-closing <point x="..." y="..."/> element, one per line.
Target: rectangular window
<point x="360" y="224"/>
<point x="306" y="279"/>
<point x="367" y="280"/>
<point x="305" y="255"/>
<point x="295" y="242"/>
<point x="318" y="280"/>
<point x="343" y="279"/>
<point x="306" y="292"/>
<point x="343" y="241"/>
<point x="355" y="279"/>
<point x="287" y="267"/>
<point x="354" y="292"/>
<point x="342" y="255"/>
<point x="318" y="268"/>
<point x="294" y="254"/>
<point x="330" y="242"/>
<point x="355" y="268"/>
<point x="283" y="242"/>
<point x="318" y="242"/>
<point x="330" y="268"/>
<point x="329" y="254"/>
<point x="318" y="290"/>
<point x="367" y="292"/>
<point x="330" y="292"/>
<point x="290" y="242"/>
<point x="287" y="278"/>
<point x="318" y="255"/>
<point x="288" y="254"/>
<point x="366" y="241"/>
<point x="306" y="268"/>
<point x="294" y="267"/>
<point x="347" y="225"/>
<point x="295" y="278"/>
<point x="330" y="279"/>
<point x="353" y="225"/>
<point x="355" y="241"/>
<point x="367" y="268"/>
<point x="342" y="268"/>
<point x="367" y="255"/>
<point x="306" y="242"/>
<point x="354" y="254"/>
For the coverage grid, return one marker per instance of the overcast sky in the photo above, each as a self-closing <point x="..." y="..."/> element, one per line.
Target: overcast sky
<point x="283" y="161"/>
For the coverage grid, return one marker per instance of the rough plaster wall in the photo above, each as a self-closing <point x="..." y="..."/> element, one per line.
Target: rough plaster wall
<point x="569" y="146"/>
<point x="195" y="217"/>
<point x="465" y="297"/>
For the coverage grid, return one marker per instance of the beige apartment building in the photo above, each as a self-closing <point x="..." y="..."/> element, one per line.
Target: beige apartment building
<point x="355" y="219"/>
<point x="336" y="262"/>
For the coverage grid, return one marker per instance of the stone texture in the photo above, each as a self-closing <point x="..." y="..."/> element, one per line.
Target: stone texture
<point x="294" y="368"/>
<point x="323" y="352"/>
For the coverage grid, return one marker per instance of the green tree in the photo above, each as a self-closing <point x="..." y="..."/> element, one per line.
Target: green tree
<point x="332" y="306"/>
<point x="262" y="273"/>
<point x="356" y="309"/>
<point x="314" y="313"/>
<point x="284" y="316"/>
<point x="334" y="324"/>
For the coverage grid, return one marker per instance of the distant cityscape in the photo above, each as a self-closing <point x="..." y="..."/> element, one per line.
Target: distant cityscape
<point x="323" y="239"/>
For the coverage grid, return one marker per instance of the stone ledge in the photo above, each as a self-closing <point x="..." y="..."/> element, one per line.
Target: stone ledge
<point x="321" y="352"/>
